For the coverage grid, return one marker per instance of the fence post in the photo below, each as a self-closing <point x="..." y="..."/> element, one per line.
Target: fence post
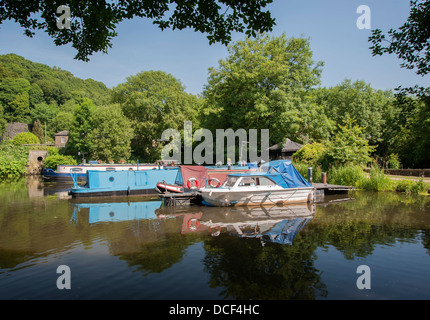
<point x="310" y="174"/>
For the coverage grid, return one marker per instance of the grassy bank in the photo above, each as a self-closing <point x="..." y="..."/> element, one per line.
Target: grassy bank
<point x="375" y="180"/>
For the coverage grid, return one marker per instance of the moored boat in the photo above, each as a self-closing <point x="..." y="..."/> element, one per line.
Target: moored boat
<point x="64" y="172"/>
<point x="278" y="182"/>
<point x="122" y="183"/>
<point x="191" y="178"/>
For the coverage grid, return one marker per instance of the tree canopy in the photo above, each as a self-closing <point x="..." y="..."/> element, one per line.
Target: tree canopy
<point x="408" y="132"/>
<point x="411" y="41"/>
<point x="264" y="83"/>
<point x="359" y="101"/>
<point x="93" y="23"/>
<point x="154" y="101"/>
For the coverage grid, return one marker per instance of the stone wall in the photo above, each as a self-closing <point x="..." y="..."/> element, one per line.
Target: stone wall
<point x="35" y="161"/>
<point x="12" y="129"/>
<point x="407" y="172"/>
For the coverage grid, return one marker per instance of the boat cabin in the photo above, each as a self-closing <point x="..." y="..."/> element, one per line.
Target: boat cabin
<point x="248" y="180"/>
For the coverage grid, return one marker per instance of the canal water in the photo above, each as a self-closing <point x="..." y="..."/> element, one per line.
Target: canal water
<point x="360" y="246"/>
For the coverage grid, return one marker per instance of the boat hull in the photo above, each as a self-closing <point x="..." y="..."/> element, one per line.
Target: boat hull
<point x="113" y="193"/>
<point x="49" y="174"/>
<point x="221" y="198"/>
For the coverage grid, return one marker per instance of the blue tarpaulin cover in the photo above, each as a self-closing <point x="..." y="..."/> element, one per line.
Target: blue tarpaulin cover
<point x="291" y="178"/>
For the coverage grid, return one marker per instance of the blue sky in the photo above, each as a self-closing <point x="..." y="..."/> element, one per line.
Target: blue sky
<point x="187" y="55"/>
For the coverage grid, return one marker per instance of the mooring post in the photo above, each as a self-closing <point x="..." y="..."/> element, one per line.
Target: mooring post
<point x="310" y="174"/>
<point x="324" y="177"/>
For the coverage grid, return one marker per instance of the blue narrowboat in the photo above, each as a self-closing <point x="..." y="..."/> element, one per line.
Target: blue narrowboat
<point x="122" y="183"/>
<point x="64" y="172"/>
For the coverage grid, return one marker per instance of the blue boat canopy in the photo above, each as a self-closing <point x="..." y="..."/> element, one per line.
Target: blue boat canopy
<point x="291" y="178"/>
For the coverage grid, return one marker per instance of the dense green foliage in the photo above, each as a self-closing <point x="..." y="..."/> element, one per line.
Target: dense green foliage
<point x="409" y="132"/>
<point x="154" y="101"/>
<point x="13" y="160"/>
<point x="111" y="134"/>
<point x="359" y="101"/>
<point x="100" y="132"/>
<point x="52" y="161"/>
<point x="346" y="147"/>
<point x="32" y="91"/>
<point x="310" y="154"/>
<point x="25" y="138"/>
<point x="265" y="82"/>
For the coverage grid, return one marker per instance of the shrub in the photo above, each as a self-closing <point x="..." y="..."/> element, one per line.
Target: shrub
<point x="310" y="154"/>
<point x="25" y="138"/>
<point x="410" y="186"/>
<point x="419" y="186"/>
<point x="347" y="175"/>
<point x="52" y="161"/>
<point x="13" y="161"/>
<point x="404" y="186"/>
<point x="393" y="161"/>
<point x="11" y="168"/>
<point x="347" y="147"/>
<point x="377" y="181"/>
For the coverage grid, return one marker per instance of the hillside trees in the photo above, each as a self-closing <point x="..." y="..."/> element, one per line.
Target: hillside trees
<point x="14" y="97"/>
<point x="31" y="92"/>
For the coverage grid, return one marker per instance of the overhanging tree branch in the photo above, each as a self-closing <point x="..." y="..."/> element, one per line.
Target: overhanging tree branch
<point x="94" y="23"/>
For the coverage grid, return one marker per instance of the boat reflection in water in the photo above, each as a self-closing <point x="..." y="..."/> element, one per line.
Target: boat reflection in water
<point x="118" y="211"/>
<point x="278" y="224"/>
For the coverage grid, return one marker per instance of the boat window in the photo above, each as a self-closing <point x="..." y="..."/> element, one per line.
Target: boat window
<point x="230" y="181"/>
<point x="263" y="181"/>
<point x="246" y="182"/>
<point x="256" y="181"/>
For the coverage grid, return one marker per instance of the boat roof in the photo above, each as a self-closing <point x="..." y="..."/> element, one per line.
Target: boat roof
<point x="252" y="174"/>
<point x="282" y="172"/>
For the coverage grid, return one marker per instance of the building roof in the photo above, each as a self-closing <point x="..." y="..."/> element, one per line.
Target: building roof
<point x="62" y="133"/>
<point x="287" y="146"/>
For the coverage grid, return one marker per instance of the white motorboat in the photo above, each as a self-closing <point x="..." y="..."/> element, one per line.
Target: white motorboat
<point x="278" y="183"/>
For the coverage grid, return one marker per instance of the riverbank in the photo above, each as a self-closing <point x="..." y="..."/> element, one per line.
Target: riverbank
<point x="369" y="179"/>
